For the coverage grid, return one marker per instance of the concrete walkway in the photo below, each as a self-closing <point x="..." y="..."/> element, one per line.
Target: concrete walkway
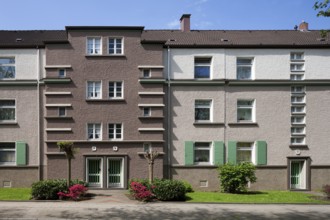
<point x="109" y="196"/>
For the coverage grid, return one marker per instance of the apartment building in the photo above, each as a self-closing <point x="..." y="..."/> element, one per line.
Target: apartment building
<point x="22" y="56"/>
<point x="102" y="93"/>
<point x="257" y="96"/>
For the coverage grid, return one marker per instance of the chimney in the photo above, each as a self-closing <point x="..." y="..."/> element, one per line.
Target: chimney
<point x="185" y="22"/>
<point x="303" y="26"/>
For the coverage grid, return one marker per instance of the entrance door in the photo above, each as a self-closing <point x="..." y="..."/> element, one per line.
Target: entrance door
<point x="115" y="172"/>
<point x="94" y="172"/>
<point x="297" y="177"/>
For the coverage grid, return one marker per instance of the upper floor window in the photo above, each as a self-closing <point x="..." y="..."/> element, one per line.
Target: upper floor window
<point x="115" y="131"/>
<point x="146" y="112"/>
<point x="202" y="153"/>
<point x="245" y="110"/>
<point x="147" y="147"/>
<point x="61" y="73"/>
<point x="202" y="68"/>
<point x="94" y="131"/>
<point x="94" y="45"/>
<point x="115" y="90"/>
<point x="94" y="90"/>
<point x="203" y="110"/>
<point x="7" y="110"/>
<point x="116" y="46"/>
<point x="7" y="68"/>
<point x="297" y="56"/>
<point x="244" y="68"/>
<point x="62" y="111"/>
<point x="297" y="62"/>
<point x="7" y="154"/>
<point x="244" y="152"/>
<point x="146" y="73"/>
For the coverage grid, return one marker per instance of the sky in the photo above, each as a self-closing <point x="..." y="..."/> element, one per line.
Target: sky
<point x="160" y="14"/>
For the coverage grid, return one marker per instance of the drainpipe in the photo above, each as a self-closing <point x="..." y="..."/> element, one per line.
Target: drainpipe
<point x="169" y="127"/>
<point x="38" y="111"/>
<point x="225" y="100"/>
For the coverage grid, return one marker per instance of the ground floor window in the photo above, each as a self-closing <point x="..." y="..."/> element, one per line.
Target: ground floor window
<point x="7" y="154"/>
<point x="202" y="153"/>
<point x="244" y="152"/>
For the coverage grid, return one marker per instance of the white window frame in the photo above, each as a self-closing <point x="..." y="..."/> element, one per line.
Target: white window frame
<point x="8" y="150"/>
<point x="297" y="67"/>
<point x="251" y="65"/>
<point x="115" y="93"/>
<point x="298" y="99"/>
<point x="93" y="85"/>
<point x="94" y="128"/>
<point x="93" y="48"/>
<point x="197" y="63"/>
<point x="115" y="45"/>
<point x="249" y="148"/>
<point x="294" y="130"/>
<point x="294" y="56"/>
<point x="209" y="148"/>
<point x="59" y="73"/>
<point x="147" y="147"/>
<point x="148" y="75"/>
<point x="253" y="107"/>
<point x="9" y="107"/>
<point x="294" y="119"/>
<point x="114" y="127"/>
<point x="209" y="106"/>
<point x="148" y="109"/>
<point x="300" y="140"/>
<point x="8" y="65"/>
<point x="297" y="77"/>
<point x="296" y="109"/>
<point x="294" y="89"/>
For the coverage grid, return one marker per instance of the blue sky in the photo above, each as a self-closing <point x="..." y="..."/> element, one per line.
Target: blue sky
<point x="160" y="14"/>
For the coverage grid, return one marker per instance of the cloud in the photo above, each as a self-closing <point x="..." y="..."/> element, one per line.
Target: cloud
<point x="174" y="24"/>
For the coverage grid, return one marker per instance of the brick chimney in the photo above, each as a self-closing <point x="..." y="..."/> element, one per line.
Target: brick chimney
<point x="185" y="22"/>
<point x="303" y="26"/>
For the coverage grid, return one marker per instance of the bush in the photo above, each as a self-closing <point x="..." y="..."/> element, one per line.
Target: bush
<point x="141" y="192"/>
<point x="234" y="178"/>
<point x="169" y="190"/>
<point x="76" y="192"/>
<point x="326" y="190"/>
<point x="48" y="189"/>
<point x="188" y="186"/>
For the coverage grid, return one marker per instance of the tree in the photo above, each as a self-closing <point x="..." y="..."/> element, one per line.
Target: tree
<point x="323" y="8"/>
<point x="151" y="156"/>
<point x="69" y="150"/>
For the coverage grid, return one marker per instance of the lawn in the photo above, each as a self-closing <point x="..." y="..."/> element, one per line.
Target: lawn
<point x="15" y="194"/>
<point x="255" y="197"/>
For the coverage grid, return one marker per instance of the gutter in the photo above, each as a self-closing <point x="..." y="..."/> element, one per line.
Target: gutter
<point x="169" y="127"/>
<point x="38" y="112"/>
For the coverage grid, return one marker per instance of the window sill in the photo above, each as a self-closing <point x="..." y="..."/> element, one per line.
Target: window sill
<point x="151" y="117"/>
<point x="194" y="166"/>
<point x="142" y="153"/>
<point x="105" y="100"/>
<point x="8" y="123"/>
<point x="106" y="55"/>
<point x="243" y="124"/>
<point x="305" y="146"/>
<point x="297" y="71"/>
<point x="58" y="117"/>
<point x="208" y="123"/>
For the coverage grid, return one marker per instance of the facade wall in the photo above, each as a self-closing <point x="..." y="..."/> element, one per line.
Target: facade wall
<point x="18" y="177"/>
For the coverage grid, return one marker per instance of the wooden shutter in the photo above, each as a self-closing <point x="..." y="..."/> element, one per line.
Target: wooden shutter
<point x="189" y="152"/>
<point x="20" y="153"/>
<point x="219" y="153"/>
<point x="232" y="148"/>
<point x="261" y="151"/>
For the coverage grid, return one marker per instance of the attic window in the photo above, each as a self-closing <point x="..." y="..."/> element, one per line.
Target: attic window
<point x="172" y="40"/>
<point x="19" y="39"/>
<point x="224" y="40"/>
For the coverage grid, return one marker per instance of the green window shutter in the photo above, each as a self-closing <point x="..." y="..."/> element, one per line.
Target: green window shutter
<point x="189" y="153"/>
<point x="219" y="153"/>
<point x="261" y="151"/>
<point x="20" y="153"/>
<point x="232" y="148"/>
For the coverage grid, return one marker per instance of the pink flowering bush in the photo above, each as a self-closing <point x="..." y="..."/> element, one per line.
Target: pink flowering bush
<point x="141" y="192"/>
<point x="76" y="192"/>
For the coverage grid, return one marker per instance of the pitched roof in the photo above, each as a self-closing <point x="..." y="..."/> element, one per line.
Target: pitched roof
<point x="31" y="39"/>
<point x="236" y="38"/>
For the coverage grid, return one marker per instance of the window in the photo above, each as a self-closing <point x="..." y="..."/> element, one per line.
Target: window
<point x="7" y="110"/>
<point x="94" y="90"/>
<point x="297" y="89"/>
<point x="146" y="147"/>
<point x="297" y="140"/>
<point x="297" y="130"/>
<point x="298" y="109"/>
<point x="202" y="153"/>
<point x="7" y="68"/>
<point x="297" y="67"/>
<point x="61" y="73"/>
<point x="297" y="99"/>
<point x="244" y="152"/>
<point x="94" y="131"/>
<point x="115" y="131"/>
<point x="245" y="110"/>
<point x="297" y="119"/>
<point x="203" y="110"/>
<point x="115" y="90"/>
<point x="94" y="45"/>
<point x="202" y="68"/>
<point x="146" y="112"/>
<point x="115" y="46"/>
<point x="297" y="76"/>
<point x="146" y="73"/>
<point x="297" y="56"/>
<point x="244" y="68"/>
<point x="7" y="154"/>
<point x="61" y="111"/>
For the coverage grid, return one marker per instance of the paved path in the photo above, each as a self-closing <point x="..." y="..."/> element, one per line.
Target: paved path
<point x="115" y="205"/>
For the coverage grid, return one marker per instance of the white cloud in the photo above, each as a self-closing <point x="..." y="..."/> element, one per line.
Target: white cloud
<point x="174" y="24"/>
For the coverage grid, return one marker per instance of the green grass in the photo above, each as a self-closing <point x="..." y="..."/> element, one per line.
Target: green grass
<point x="255" y="197"/>
<point x="20" y="194"/>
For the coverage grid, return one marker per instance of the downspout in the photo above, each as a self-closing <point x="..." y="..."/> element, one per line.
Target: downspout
<point x="38" y="112"/>
<point x="169" y="127"/>
<point x="225" y="100"/>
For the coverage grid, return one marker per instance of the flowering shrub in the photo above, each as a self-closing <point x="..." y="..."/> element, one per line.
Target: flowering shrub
<point x="326" y="190"/>
<point x="75" y="192"/>
<point x="141" y="192"/>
